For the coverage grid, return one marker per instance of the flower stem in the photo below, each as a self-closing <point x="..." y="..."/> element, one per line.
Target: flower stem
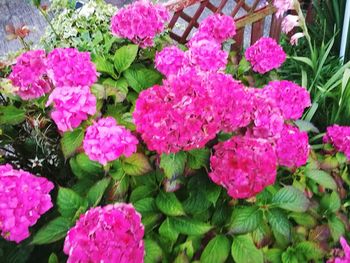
<point x="43" y="12"/>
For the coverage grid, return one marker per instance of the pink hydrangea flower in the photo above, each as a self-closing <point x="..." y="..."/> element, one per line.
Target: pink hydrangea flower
<point x="71" y="68"/>
<point x="140" y="22"/>
<point x="290" y="98"/>
<point x="267" y="117"/>
<point x="265" y="55"/>
<point x="24" y="197"/>
<point x="170" y="60"/>
<point x="292" y="148"/>
<point x="283" y="6"/>
<point x="29" y="75"/>
<point x="180" y="115"/>
<point x="109" y="234"/>
<point x="232" y="101"/>
<point x="72" y="105"/>
<point x="346" y="251"/>
<point x="243" y="165"/>
<point x="207" y="55"/>
<point x="339" y="136"/>
<point x="289" y="22"/>
<point x="106" y="141"/>
<point x="218" y="28"/>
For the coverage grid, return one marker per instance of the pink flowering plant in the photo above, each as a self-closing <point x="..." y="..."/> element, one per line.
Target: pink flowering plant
<point x="155" y="152"/>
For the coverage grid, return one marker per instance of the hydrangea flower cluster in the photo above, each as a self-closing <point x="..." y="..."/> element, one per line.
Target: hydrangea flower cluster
<point x="217" y="28"/>
<point x="265" y="55"/>
<point x="292" y="148"/>
<point x="232" y="101"/>
<point x="23" y="199"/>
<point x="290" y="98"/>
<point x="339" y="136"/>
<point x="205" y="53"/>
<point x="243" y="165"/>
<point x="180" y="115"/>
<point x="267" y="116"/>
<point x="140" y="22"/>
<point x="112" y="233"/>
<point x="29" y="75"/>
<point x="171" y="60"/>
<point x="72" y="105"/>
<point x="346" y="250"/>
<point x="106" y="141"/>
<point x="68" y="67"/>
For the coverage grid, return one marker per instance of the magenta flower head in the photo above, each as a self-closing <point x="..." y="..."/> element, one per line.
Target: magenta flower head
<point x="244" y="166"/>
<point x="290" y="98"/>
<point x="171" y="60"/>
<point x="267" y="117"/>
<point x="292" y="148"/>
<point x="218" y="28"/>
<point x="346" y="253"/>
<point x="109" y="234"/>
<point x="207" y="55"/>
<point x="24" y="197"/>
<point x="68" y="67"/>
<point x="106" y="141"/>
<point x="29" y="75"/>
<point x="265" y="55"/>
<point x="339" y="136"/>
<point x="71" y="105"/>
<point x="140" y="22"/>
<point x="180" y="115"/>
<point x="232" y="101"/>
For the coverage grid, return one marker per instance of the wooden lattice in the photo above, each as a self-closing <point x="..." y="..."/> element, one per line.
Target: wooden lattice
<point x="245" y="14"/>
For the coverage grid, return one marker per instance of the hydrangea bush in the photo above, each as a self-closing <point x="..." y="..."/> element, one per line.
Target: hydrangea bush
<point x="145" y="151"/>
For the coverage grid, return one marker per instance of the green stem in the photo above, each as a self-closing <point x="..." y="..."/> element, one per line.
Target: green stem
<point x="303" y="25"/>
<point x="24" y="44"/>
<point x="48" y="21"/>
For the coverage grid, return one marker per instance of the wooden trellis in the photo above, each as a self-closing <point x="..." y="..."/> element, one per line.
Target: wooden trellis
<point x="253" y="14"/>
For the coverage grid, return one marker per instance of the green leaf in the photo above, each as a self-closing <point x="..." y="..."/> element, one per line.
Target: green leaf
<point x="141" y="192"/>
<point x="136" y="164"/>
<point x="77" y="171"/>
<point x="290" y="256"/>
<point x="112" y="86"/>
<point x="188" y="226"/>
<point x="244" y="251"/>
<point x="96" y="192"/>
<point x="169" y="204"/>
<point x="153" y="252"/>
<point x="197" y="202"/>
<point x="322" y="178"/>
<point x="198" y="158"/>
<point x="290" y="198"/>
<point x="141" y="78"/>
<point x="304" y="219"/>
<point x="173" y="164"/>
<point x="166" y="230"/>
<point x="279" y="223"/>
<point x="306" y="126"/>
<point x="310" y="250"/>
<point x="336" y="227"/>
<point x="124" y="57"/>
<point x="11" y="115"/>
<point x="274" y="255"/>
<point x="71" y="141"/>
<point x="217" y="250"/>
<point x="245" y="219"/>
<point x="53" y="258"/>
<point x="87" y="165"/>
<point x="68" y="202"/>
<point x="104" y="66"/>
<point x="330" y="203"/>
<point x="146" y="205"/>
<point x="52" y="232"/>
